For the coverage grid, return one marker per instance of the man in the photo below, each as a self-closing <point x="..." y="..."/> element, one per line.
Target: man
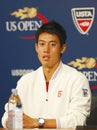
<point x="55" y="95"/>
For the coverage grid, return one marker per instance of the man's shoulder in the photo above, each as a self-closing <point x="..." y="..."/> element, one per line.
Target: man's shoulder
<point x="31" y="74"/>
<point x="71" y="71"/>
<point x="69" y="68"/>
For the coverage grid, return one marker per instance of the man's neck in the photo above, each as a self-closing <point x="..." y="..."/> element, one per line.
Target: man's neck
<point x="48" y="72"/>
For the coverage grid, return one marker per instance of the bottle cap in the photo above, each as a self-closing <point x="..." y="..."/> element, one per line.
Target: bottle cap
<point x="14" y="90"/>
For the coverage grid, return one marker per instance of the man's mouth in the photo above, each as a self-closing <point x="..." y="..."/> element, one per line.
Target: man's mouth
<point x="46" y="58"/>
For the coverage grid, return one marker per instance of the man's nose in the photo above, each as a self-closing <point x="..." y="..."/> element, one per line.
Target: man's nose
<point x="47" y="48"/>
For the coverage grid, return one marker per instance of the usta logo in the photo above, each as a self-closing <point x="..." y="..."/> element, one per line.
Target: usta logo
<point x="83" y="18"/>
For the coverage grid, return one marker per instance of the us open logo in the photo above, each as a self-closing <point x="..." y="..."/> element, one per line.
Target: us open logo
<point x="27" y="20"/>
<point x="83" y="18"/>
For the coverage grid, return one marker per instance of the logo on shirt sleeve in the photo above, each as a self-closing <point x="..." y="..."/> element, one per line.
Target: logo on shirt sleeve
<point x="85" y="92"/>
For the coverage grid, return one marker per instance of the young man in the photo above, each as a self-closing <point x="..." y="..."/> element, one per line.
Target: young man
<point x="55" y="95"/>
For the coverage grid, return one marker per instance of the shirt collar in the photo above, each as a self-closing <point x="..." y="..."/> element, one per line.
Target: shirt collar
<point x="56" y="71"/>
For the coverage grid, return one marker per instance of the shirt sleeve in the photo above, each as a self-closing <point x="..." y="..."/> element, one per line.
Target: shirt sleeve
<point x="5" y="116"/>
<point x="80" y="104"/>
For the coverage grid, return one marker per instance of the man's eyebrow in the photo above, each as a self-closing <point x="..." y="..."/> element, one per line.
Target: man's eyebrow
<point x="40" y="40"/>
<point x="46" y="41"/>
<point x="52" y="41"/>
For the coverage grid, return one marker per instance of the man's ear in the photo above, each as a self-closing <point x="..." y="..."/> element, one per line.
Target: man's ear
<point x="63" y="48"/>
<point x="36" y="47"/>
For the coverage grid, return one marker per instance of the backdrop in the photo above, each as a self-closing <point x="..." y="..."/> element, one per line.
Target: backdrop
<point x="19" y="20"/>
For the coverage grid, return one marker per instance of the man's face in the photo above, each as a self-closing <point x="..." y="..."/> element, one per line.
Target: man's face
<point x="49" y="49"/>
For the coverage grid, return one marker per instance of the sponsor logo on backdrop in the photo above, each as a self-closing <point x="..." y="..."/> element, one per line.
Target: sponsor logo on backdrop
<point x="26" y="19"/>
<point x="20" y="72"/>
<point x="86" y="63"/>
<point x="83" y="18"/>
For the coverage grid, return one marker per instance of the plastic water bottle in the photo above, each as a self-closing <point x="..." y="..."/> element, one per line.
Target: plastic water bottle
<point x="15" y="113"/>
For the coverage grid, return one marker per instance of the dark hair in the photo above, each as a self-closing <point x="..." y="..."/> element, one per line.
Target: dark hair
<point x="52" y="27"/>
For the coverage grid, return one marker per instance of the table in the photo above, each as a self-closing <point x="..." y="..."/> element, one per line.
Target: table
<point x="77" y="128"/>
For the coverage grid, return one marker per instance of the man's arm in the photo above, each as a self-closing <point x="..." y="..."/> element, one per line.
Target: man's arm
<point x="29" y="122"/>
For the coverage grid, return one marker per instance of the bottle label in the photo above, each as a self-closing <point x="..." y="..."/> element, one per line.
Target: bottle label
<point x="15" y="118"/>
<point x="11" y="117"/>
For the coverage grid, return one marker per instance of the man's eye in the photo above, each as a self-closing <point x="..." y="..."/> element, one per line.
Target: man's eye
<point x="52" y="44"/>
<point x="41" y="44"/>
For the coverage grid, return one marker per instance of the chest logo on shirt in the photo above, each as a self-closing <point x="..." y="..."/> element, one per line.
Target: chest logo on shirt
<point x="59" y="93"/>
